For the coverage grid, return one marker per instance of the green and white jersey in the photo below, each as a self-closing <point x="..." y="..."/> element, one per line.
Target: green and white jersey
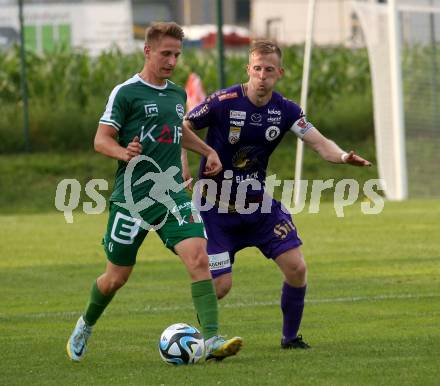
<point x="154" y="114"/>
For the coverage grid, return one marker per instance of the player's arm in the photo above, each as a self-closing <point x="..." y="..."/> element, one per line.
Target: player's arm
<point x="106" y="143"/>
<point x="186" y="172"/>
<point x="191" y="141"/>
<point x="330" y="151"/>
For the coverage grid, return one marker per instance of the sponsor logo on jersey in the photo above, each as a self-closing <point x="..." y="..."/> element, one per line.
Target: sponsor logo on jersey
<point x="151" y="110"/>
<point x="125" y="228"/>
<point x="193" y="218"/>
<point x="182" y="220"/>
<point x="213" y="95"/>
<point x="185" y="205"/>
<point x="219" y="261"/>
<point x="272" y="132"/>
<point x="234" y="134"/>
<point x="201" y="111"/>
<point x="274" y="112"/>
<point x="255" y="117"/>
<point x="237" y="123"/>
<point x="164" y="135"/>
<point x="235" y="114"/>
<point x="229" y="95"/>
<point x="180" y="111"/>
<point x="245" y="158"/>
<point x="276" y="119"/>
<point x="162" y="94"/>
<point x="246" y="177"/>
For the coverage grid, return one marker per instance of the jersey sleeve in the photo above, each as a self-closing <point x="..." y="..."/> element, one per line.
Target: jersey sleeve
<point x="297" y="120"/>
<point x="115" y="110"/>
<point x="203" y="114"/>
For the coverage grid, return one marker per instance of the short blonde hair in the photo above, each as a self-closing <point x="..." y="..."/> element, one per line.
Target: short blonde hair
<point x="265" y="47"/>
<point x="160" y="29"/>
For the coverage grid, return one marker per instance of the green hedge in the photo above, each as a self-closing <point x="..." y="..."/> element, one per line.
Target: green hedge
<point x="68" y="91"/>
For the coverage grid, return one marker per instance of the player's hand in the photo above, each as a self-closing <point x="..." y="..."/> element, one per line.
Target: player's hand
<point x="353" y="159"/>
<point x="133" y="149"/>
<point x="213" y="164"/>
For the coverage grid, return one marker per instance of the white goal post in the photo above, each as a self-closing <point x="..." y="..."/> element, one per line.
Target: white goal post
<point x="403" y="42"/>
<point x="304" y="95"/>
<point x="402" y="37"/>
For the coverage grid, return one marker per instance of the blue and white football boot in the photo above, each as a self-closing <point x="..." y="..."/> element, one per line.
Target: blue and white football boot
<point x="77" y="343"/>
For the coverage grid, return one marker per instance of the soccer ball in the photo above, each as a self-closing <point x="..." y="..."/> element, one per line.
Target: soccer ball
<point x="181" y="344"/>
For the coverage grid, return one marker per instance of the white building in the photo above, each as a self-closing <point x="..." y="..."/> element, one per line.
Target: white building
<point x="285" y="21"/>
<point x="94" y="25"/>
<point x="335" y="21"/>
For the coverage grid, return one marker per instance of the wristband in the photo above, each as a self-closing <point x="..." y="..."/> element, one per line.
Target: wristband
<point x="344" y="157"/>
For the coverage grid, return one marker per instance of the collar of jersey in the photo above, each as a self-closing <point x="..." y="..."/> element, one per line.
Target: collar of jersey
<point x="152" y="85"/>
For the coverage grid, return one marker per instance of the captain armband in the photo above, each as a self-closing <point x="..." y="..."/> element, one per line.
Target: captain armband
<point x="301" y="126"/>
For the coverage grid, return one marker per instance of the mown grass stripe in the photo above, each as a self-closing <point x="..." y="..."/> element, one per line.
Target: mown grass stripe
<point x="156" y="309"/>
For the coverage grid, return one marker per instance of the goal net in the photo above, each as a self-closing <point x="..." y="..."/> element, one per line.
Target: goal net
<point x="405" y="63"/>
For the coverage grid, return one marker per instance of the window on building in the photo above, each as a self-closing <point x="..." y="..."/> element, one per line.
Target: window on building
<point x="242" y="11"/>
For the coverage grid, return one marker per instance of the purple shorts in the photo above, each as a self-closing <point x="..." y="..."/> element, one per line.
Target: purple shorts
<point x="272" y="233"/>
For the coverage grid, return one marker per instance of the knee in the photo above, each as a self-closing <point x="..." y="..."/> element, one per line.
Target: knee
<point x="301" y="269"/>
<point x="198" y="264"/>
<point x="111" y="283"/>
<point x="297" y="272"/>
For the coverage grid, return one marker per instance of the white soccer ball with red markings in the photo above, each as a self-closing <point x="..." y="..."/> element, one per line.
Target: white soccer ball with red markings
<point x="181" y="344"/>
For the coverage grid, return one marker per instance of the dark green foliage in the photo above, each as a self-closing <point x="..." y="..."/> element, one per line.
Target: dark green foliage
<point x="347" y="118"/>
<point x="68" y="91"/>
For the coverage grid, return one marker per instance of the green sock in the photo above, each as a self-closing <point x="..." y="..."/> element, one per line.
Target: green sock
<point x="97" y="304"/>
<point x="205" y="303"/>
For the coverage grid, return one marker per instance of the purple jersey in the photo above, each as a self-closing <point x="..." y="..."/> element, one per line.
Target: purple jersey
<point x="245" y="135"/>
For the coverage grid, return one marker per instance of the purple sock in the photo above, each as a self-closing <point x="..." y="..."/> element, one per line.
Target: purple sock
<point x="292" y="305"/>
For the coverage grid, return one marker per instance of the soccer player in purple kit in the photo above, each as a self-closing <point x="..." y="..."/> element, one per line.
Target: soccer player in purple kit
<point x="245" y="124"/>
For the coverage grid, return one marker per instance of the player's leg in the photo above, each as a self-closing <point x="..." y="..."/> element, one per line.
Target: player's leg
<point x="223" y="284"/>
<point x="121" y="243"/>
<point x="294" y="269"/>
<point x="220" y="265"/>
<point x="187" y="238"/>
<point x="279" y="241"/>
<point x="223" y="241"/>
<point x="103" y="290"/>
<point x="192" y="252"/>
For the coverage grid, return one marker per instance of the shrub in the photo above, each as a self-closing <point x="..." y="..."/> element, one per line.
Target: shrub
<point x="68" y="91"/>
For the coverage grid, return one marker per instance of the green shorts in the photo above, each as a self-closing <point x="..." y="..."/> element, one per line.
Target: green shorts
<point x="125" y="234"/>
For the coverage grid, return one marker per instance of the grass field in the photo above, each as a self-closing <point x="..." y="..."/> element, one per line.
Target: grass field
<point x="372" y="312"/>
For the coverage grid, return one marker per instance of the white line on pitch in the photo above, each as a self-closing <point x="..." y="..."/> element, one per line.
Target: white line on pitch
<point x="156" y="309"/>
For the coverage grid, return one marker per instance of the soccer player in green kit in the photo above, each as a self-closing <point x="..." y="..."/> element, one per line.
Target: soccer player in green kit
<point x="142" y="128"/>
